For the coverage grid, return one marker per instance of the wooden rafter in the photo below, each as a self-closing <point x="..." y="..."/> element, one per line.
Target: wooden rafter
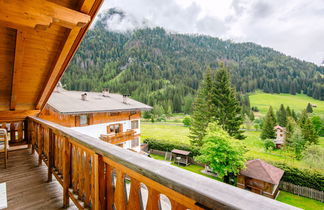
<point x="16" y="115"/>
<point x="19" y="54"/>
<point x="73" y="40"/>
<point x="40" y="14"/>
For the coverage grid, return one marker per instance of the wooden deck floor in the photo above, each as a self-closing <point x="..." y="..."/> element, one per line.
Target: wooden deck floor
<point x="27" y="186"/>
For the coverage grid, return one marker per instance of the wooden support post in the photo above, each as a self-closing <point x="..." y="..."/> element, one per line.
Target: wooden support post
<point x="40" y="144"/>
<point x="67" y="151"/>
<point x="12" y="132"/>
<point x="50" y="155"/>
<point x="26" y="132"/>
<point x="97" y="175"/>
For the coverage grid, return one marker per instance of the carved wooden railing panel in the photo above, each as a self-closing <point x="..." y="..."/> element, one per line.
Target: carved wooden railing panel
<point x="98" y="175"/>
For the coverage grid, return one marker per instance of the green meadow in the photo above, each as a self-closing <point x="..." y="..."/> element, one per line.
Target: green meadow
<point x="297" y="102"/>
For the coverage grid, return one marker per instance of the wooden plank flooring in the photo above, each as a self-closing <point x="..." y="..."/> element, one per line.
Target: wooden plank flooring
<point x="27" y="186"/>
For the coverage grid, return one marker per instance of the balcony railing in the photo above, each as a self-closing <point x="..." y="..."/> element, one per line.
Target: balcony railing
<point x="98" y="175"/>
<point x="116" y="138"/>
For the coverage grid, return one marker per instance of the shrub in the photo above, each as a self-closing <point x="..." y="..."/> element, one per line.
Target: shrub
<point x="186" y="121"/>
<point x="269" y="144"/>
<point x="169" y="146"/>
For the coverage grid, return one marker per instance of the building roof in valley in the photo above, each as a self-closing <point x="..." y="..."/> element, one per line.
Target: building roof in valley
<point x="65" y="101"/>
<point x="261" y="170"/>
<point x="180" y="152"/>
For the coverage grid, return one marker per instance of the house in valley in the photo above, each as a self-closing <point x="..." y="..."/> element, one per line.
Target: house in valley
<point x="113" y="118"/>
<point x="280" y="136"/>
<point x="261" y="178"/>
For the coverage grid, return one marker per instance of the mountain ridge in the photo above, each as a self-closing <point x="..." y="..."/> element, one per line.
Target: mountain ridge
<point x="162" y="68"/>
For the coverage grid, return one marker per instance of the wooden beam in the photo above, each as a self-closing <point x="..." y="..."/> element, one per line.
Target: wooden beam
<point x="40" y="14"/>
<point x="70" y="46"/>
<point x="16" y="115"/>
<point x="19" y="55"/>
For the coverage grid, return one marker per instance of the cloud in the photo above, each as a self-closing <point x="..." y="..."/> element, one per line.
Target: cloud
<point x="294" y="27"/>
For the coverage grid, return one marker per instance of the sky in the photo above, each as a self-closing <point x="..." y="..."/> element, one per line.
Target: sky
<point x="294" y="27"/>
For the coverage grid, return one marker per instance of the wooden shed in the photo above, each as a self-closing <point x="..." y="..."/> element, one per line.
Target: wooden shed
<point x="261" y="178"/>
<point x="180" y="156"/>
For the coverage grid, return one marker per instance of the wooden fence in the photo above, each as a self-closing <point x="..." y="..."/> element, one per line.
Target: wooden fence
<point x="98" y="175"/>
<point x="302" y="191"/>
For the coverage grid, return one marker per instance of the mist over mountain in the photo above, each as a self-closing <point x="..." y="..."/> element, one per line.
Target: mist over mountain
<point x="159" y="67"/>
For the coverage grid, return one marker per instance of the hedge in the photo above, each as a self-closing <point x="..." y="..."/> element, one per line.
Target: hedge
<point x="302" y="177"/>
<point x="169" y="146"/>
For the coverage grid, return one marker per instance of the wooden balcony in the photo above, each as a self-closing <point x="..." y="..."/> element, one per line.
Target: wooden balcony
<point x="93" y="174"/>
<point x="117" y="138"/>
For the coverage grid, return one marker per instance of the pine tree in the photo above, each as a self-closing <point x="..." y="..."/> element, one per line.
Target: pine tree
<point x="269" y="123"/>
<point x="307" y="129"/>
<point x="288" y="112"/>
<point x="293" y="114"/>
<point x="216" y="101"/>
<point x="282" y="116"/>
<point x="202" y="109"/>
<point x="309" y="108"/>
<point x="227" y="107"/>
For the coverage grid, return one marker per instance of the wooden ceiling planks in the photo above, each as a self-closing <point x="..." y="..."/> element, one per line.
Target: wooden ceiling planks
<point x="7" y="54"/>
<point x="37" y="40"/>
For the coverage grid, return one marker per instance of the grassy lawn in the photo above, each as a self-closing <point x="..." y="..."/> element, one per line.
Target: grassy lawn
<point x="299" y="201"/>
<point x="161" y="131"/>
<point x="253" y="142"/>
<point x="296" y="102"/>
<point x="193" y="168"/>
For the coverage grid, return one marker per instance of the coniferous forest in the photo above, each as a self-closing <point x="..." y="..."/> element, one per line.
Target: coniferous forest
<point x="165" y="69"/>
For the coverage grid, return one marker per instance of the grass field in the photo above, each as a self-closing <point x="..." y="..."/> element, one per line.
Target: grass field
<point x="299" y="201"/>
<point x="177" y="133"/>
<point x="296" y="102"/>
<point x="165" y="131"/>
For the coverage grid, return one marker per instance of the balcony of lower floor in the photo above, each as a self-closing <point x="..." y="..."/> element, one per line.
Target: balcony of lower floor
<point x="64" y="168"/>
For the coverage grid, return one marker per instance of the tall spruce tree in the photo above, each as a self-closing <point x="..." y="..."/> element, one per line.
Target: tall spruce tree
<point x="282" y="116"/>
<point x="202" y="109"/>
<point x="288" y="112"/>
<point x="227" y="107"/>
<point x="307" y="129"/>
<point x="216" y="101"/>
<point x="309" y="108"/>
<point x="269" y="123"/>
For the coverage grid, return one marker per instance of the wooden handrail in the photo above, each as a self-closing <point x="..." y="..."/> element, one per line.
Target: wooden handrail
<point x="94" y="173"/>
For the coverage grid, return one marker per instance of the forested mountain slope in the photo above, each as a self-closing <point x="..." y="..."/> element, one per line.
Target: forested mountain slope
<point x="157" y="67"/>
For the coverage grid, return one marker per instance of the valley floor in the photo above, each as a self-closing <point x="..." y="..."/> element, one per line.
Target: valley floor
<point x="177" y="132"/>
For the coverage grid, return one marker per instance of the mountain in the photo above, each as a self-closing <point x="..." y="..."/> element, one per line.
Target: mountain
<point x="162" y="68"/>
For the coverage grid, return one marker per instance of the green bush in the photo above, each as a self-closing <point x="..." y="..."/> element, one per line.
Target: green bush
<point x="269" y="144"/>
<point x="169" y="146"/>
<point x="186" y="121"/>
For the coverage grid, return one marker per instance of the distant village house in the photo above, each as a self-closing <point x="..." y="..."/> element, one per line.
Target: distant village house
<point x="280" y="136"/>
<point x="113" y="118"/>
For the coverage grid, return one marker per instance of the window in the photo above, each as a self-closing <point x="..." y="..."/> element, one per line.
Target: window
<point x="135" y="142"/>
<point x="134" y="124"/>
<point x="83" y="120"/>
<point x="115" y="128"/>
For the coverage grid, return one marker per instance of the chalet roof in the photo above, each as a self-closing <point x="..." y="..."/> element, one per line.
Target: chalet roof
<point x="279" y="127"/>
<point x="180" y="152"/>
<point x="65" y="101"/>
<point x="261" y="170"/>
